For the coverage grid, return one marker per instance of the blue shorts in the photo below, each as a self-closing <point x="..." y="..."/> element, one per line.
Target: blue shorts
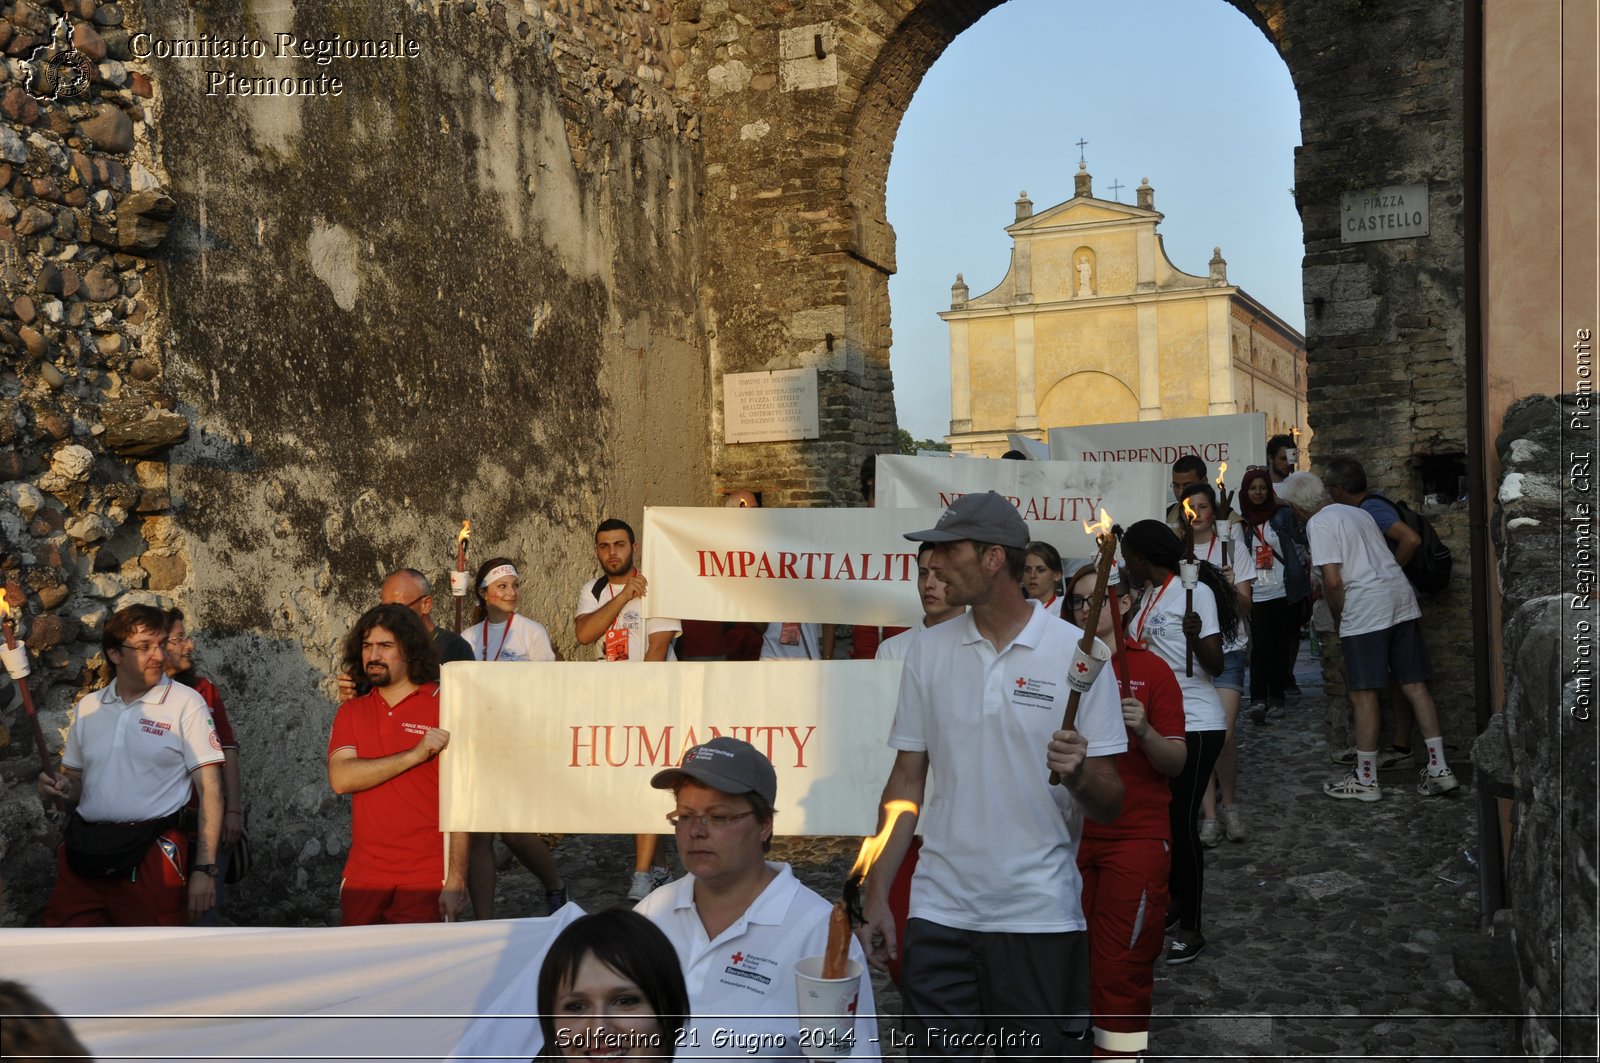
<point x="1370" y="659"/>
<point x="1232" y="677"/>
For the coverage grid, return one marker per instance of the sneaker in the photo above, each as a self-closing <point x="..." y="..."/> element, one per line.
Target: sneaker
<point x="659" y="876"/>
<point x="1394" y="757"/>
<point x="1350" y="788"/>
<point x="1186" y="945"/>
<point x="554" y="899"/>
<point x="1210" y="833"/>
<point x="1441" y="783"/>
<point x="1232" y="823"/>
<point x="641" y="887"/>
<point x="1275" y="710"/>
<point x="1258" y="712"/>
<point x="1345" y="756"/>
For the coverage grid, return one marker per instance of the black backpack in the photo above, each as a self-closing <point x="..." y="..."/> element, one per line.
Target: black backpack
<point x="1429" y="568"/>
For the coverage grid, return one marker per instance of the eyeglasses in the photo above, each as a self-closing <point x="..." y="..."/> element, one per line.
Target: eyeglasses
<point x="178" y="642"/>
<point x="688" y="819"/>
<point x="1077" y="602"/>
<point x="144" y="649"/>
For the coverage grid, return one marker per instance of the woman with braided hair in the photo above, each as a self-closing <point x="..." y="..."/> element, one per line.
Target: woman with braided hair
<point x="1151" y="553"/>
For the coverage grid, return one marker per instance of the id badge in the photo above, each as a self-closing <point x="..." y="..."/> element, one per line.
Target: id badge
<point x="789" y="635"/>
<point x="616" y="644"/>
<point x="1263" y="556"/>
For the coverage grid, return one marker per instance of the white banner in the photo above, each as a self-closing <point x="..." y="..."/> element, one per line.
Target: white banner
<point x="1240" y="439"/>
<point x="290" y="993"/>
<point x="1054" y="497"/>
<point x="570" y="747"/>
<point x="827" y="566"/>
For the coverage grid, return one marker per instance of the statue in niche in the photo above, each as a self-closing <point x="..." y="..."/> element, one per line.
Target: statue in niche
<point x="1085" y="279"/>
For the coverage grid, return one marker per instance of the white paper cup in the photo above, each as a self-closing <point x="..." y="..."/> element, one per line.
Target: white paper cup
<point x="1189" y="574"/>
<point x="15" y="661"/>
<point x="1085" y="667"/>
<point x="827" y="1008"/>
<point x="458" y="584"/>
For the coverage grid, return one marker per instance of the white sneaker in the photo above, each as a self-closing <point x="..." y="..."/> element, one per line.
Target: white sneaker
<point x="1350" y="788"/>
<point x="641" y="886"/>
<point x="1441" y="783"/>
<point x="1232" y="823"/>
<point x="1210" y="833"/>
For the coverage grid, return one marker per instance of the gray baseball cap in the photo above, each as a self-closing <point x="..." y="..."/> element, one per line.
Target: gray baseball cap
<point x="725" y="764"/>
<point x="984" y="518"/>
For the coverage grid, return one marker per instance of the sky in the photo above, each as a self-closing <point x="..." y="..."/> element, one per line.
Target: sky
<point x="1188" y="93"/>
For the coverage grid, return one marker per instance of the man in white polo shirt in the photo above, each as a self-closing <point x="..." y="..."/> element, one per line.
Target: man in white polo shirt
<point x="995" y="954"/>
<point x="133" y="752"/>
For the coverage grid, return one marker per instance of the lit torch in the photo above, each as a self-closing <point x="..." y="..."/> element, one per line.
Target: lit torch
<point x="1089" y="656"/>
<point x="17" y="664"/>
<point x="848" y="908"/>
<point x="1225" y="496"/>
<point x="458" y="578"/>
<point x="1189" y="571"/>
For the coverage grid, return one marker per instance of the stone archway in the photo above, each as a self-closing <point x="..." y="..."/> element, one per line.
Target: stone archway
<point x="800" y="107"/>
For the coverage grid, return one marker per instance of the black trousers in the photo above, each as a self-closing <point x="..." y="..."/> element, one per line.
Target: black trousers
<point x="1188" y="864"/>
<point x="1274" y="643"/>
<point x="1018" y="995"/>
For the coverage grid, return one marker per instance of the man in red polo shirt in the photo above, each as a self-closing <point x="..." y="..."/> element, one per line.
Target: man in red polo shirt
<point x="383" y="751"/>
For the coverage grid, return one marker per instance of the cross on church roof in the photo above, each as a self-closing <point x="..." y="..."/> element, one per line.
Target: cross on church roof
<point x="1116" y="190"/>
<point x="1081" y="145"/>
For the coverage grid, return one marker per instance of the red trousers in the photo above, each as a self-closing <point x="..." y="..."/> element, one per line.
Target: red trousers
<point x="155" y="894"/>
<point x="371" y="904"/>
<point x="1125" y="903"/>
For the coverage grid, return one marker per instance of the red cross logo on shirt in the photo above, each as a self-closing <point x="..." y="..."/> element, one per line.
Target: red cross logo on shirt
<point x="738" y="957"/>
<point x="1021" y="683"/>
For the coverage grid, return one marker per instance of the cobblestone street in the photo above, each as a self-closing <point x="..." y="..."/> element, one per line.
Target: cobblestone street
<point x="1329" y="931"/>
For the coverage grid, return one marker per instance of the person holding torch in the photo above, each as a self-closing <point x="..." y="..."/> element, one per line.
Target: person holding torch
<point x="996" y="953"/>
<point x="1155" y="560"/>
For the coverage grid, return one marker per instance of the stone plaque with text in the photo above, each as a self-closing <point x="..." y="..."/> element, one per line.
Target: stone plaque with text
<point x="768" y="407"/>
<point x="1394" y="212"/>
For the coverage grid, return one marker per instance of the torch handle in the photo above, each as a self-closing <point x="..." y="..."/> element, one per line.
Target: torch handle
<point x="461" y="566"/>
<point x="1068" y="720"/>
<point x="27" y="703"/>
<point x="1188" y="650"/>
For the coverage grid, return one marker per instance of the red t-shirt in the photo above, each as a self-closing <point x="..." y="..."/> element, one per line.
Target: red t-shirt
<point x="1145" y="792"/>
<point x="219" y="717"/>
<point x="394" y="827"/>
<point x="864" y="641"/>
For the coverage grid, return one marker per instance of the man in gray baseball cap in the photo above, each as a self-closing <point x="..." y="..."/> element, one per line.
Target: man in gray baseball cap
<point x="995" y="910"/>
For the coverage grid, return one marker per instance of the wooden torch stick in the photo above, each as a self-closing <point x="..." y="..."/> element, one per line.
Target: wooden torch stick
<point x="10" y="627"/>
<point x="461" y="564"/>
<point x="1097" y="599"/>
<point x="1188" y="592"/>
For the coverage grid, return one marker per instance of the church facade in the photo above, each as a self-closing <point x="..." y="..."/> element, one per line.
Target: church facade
<point x="1093" y="325"/>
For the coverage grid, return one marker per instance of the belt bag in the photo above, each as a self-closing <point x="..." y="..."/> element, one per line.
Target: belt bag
<point x="109" y="850"/>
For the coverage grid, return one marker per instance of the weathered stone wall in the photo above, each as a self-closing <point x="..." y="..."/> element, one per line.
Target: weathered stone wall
<point x="463" y="287"/>
<point x="1548" y="733"/>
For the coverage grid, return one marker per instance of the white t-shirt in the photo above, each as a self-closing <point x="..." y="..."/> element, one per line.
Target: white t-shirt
<point x="526" y="641"/>
<point x="741" y="986"/>
<point x="1243" y="575"/>
<point x="1377" y="594"/>
<point x="808" y="646"/>
<point x="136" y="756"/>
<point x="1268" y="583"/>
<point x="631" y="620"/>
<point x="1000" y="844"/>
<point x="1159" y="622"/>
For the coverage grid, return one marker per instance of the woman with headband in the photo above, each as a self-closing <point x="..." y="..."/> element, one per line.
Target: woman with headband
<point x="503" y="634"/>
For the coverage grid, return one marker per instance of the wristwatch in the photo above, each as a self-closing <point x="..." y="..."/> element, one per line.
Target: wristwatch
<point x="209" y="869"/>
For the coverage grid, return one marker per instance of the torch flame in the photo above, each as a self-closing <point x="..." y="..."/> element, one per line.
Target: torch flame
<point x="1222" y="470"/>
<point x="1100" y="527"/>
<point x="1189" y="513"/>
<point x="5" y="606"/>
<point x="466" y="531"/>
<point x="872" y="848"/>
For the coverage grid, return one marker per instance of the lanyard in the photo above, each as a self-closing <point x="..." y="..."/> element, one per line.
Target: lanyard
<point x="1144" y="613"/>
<point x="503" y="636"/>
<point x="1209" y="546"/>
